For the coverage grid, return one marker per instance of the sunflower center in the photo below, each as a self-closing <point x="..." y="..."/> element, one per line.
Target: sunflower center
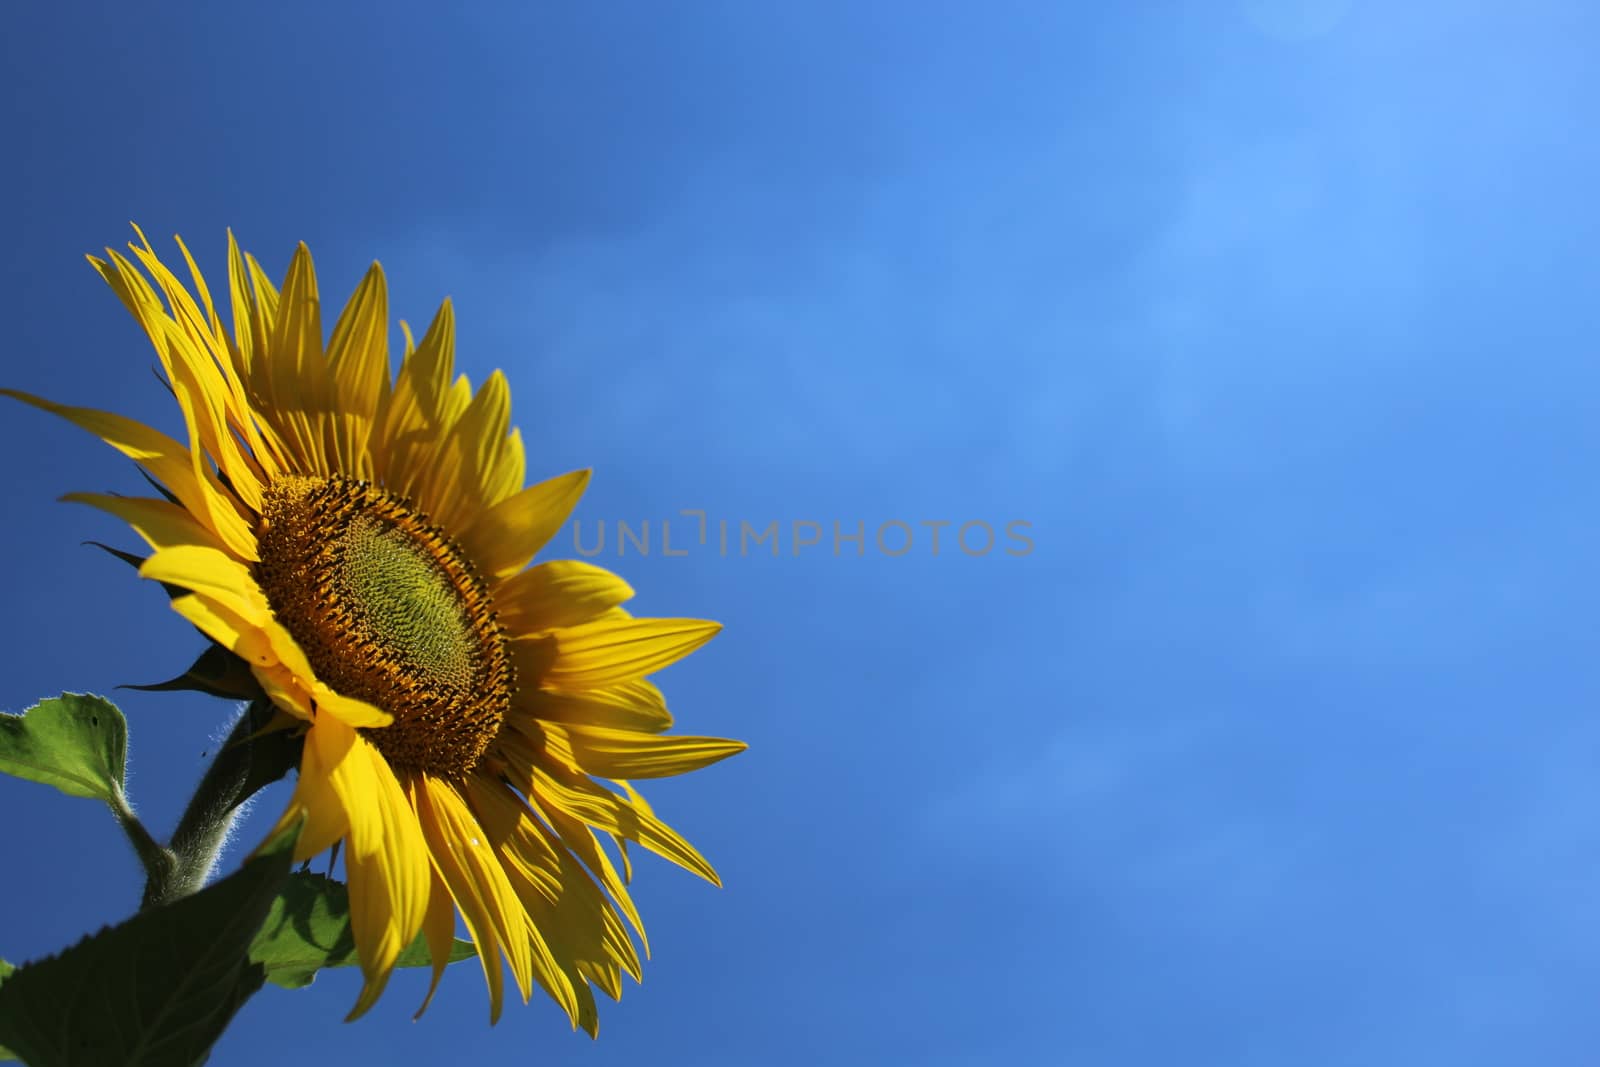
<point x="389" y="611"/>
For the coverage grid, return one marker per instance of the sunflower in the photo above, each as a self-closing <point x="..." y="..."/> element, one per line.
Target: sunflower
<point x="363" y="544"/>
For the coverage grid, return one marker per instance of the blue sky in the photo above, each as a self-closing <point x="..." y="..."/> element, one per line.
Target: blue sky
<point x="1275" y="320"/>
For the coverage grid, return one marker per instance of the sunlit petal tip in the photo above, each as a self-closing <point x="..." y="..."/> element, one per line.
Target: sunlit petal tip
<point x="371" y="990"/>
<point x="615" y="650"/>
<point x="559" y="593"/>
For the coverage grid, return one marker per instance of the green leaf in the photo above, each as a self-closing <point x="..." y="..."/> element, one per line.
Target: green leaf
<point x="154" y="991"/>
<point x="308" y="928"/>
<point x="75" y="742"/>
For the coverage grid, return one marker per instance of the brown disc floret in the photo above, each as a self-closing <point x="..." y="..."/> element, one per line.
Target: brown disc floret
<point x="388" y="610"/>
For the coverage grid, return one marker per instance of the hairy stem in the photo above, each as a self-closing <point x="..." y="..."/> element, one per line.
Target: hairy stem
<point x="243" y="765"/>
<point x="159" y="863"/>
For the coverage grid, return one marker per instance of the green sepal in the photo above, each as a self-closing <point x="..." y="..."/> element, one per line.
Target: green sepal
<point x="172" y="498"/>
<point x="156" y="990"/>
<point x="308" y="929"/>
<point x="76" y="742"/>
<point x="273" y="754"/>
<point x="217" y="672"/>
<point x="173" y="591"/>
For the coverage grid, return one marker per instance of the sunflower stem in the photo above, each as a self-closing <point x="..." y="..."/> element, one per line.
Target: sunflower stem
<point x="243" y="764"/>
<point x="159" y="862"/>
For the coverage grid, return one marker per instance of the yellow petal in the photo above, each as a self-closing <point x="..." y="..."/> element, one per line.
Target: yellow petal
<point x="605" y="974"/>
<point x="503" y="539"/>
<point x="227" y="585"/>
<point x="231" y="609"/>
<point x="161" y="523"/>
<point x="277" y="661"/>
<point x="619" y="650"/>
<point x="510" y="826"/>
<point x="509" y="472"/>
<point x="599" y="807"/>
<point x="439" y="930"/>
<point x="287" y="368"/>
<point x="228" y="629"/>
<point x="358" y="351"/>
<point x="484" y="427"/>
<point x="349" y="710"/>
<point x="634" y="797"/>
<point x="212" y="320"/>
<point x="195" y="354"/>
<point x="478" y="883"/>
<point x="531" y="657"/>
<point x="583" y="844"/>
<point x="413" y="419"/>
<point x="250" y="335"/>
<point x="166" y="460"/>
<point x="559" y="593"/>
<point x="431" y="368"/>
<point x="264" y="448"/>
<point x="636" y="705"/>
<point x="299" y="367"/>
<point x="220" y="509"/>
<point x="528" y="743"/>
<point x="501" y="815"/>
<point x="627" y="872"/>
<point x="318" y="802"/>
<point x="585" y="929"/>
<point x="212" y="572"/>
<point x="610" y="753"/>
<point x="470" y="455"/>
<point x="564" y="909"/>
<point x="387" y="858"/>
